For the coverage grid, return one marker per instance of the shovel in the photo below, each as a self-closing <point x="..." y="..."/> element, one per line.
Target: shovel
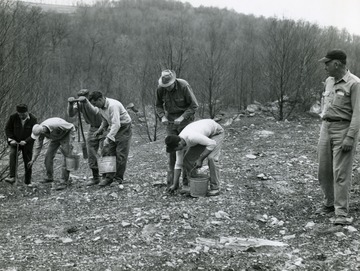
<point x="16" y="162"/>
<point x="83" y="145"/>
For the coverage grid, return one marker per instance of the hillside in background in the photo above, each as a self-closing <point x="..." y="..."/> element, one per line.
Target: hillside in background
<point x="53" y="8"/>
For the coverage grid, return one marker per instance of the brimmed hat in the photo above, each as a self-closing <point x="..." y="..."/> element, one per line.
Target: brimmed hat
<point x="83" y="92"/>
<point x="21" y="108"/>
<point x="172" y="142"/>
<point x="36" y="130"/>
<point x="167" y="78"/>
<point x="334" y="54"/>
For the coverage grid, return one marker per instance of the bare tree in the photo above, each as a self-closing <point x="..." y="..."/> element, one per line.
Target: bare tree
<point x="281" y="63"/>
<point x="212" y="65"/>
<point x="21" y="43"/>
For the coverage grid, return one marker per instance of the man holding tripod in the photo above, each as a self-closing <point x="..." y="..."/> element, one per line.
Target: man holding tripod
<point x="18" y="132"/>
<point x="92" y="116"/>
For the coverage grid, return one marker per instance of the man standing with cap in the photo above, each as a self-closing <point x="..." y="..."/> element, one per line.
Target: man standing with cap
<point x="117" y="141"/>
<point x="18" y="132"/>
<point x="199" y="140"/>
<point x="61" y="134"/>
<point x="338" y="135"/>
<point x="92" y="116"/>
<point x="176" y="106"/>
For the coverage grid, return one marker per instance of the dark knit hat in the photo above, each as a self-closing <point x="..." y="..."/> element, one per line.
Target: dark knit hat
<point x="21" y="108"/>
<point x="172" y="142"/>
<point x="334" y="54"/>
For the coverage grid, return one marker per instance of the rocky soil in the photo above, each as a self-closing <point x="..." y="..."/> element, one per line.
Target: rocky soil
<point x="262" y="220"/>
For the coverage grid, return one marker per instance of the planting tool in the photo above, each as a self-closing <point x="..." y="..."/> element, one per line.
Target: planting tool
<point x="83" y="145"/>
<point x="16" y="162"/>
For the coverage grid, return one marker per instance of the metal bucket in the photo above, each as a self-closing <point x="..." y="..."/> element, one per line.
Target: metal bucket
<point x="72" y="162"/>
<point x="107" y="164"/>
<point x="199" y="185"/>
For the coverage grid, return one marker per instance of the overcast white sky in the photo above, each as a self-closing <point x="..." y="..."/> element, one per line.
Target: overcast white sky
<point x="339" y="13"/>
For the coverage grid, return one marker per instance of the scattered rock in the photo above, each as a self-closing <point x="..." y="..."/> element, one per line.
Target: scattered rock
<point x="288" y="237"/>
<point x="66" y="240"/>
<point x="125" y="224"/>
<point x="350" y="228"/>
<point x="38" y="241"/>
<point x="310" y="224"/>
<point x="114" y="195"/>
<point x="340" y="234"/>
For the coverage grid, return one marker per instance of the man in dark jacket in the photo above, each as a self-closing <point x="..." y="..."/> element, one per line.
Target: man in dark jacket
<point x="176" y="106"/>
<point x="18" y="132"/>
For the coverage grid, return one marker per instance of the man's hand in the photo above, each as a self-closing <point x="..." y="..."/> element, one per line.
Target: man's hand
<point x="198" y="163"/>
<point x="347" y="144"/>
<point x="82" y="99"/>
<point x="22" y="143"/>
<point x="98" y="132"/>
<point x="30" y="163"/>
<point x="178" y="120"/>
<point x="13" y="142"/>
<point x="106" y="142"/>
<point x="172" y="188"/>
<point x="164" y="120"/>
<point x="71" y="99"/>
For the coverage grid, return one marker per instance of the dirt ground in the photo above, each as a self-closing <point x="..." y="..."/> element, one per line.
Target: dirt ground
<point x="262" y="220"/>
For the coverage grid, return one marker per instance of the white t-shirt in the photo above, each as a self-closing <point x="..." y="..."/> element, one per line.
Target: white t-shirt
<point x="198" y="133"/>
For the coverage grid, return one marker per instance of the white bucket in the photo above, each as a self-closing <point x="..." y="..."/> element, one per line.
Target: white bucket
<point x="199" y="186"/>
<point x="72" y="162"/>
<point x="107" y="164"/>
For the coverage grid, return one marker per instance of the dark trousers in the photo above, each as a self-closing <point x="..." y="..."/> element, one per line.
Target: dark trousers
<point x="94" y="143"/>
<point x="120" y="148"/>
<point x="173" y="129"/>
<point x="27" y="156"/>
<point x="213" y="159"/>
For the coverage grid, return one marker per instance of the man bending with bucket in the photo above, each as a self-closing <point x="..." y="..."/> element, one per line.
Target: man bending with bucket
<point x="198" y="140"/>
<point x="61" y="135"/>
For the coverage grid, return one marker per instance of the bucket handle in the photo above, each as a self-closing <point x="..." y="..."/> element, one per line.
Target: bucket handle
<point x="191" y="171"/>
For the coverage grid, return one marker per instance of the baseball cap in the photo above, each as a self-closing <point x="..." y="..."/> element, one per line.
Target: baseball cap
<point x="334" y="54"/>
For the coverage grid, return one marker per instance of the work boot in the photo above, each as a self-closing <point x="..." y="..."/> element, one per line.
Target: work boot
<point x="93" y="181"/>
<point x="213" y="192"/>
<point x="105" y="182"/>
<point x="47" y="180"/>
<point x="343" y="220"/>
<point x="62" y="185"/>
<point x="323" y="210"/>
<point x="185" y="190"/>
<point x="118" y="180"/>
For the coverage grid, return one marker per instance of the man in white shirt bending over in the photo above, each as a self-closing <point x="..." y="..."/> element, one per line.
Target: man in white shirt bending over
<point x="198" y="140"/>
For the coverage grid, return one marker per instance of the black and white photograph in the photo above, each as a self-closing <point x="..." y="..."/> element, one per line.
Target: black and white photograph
<point x="180" y="135"/>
